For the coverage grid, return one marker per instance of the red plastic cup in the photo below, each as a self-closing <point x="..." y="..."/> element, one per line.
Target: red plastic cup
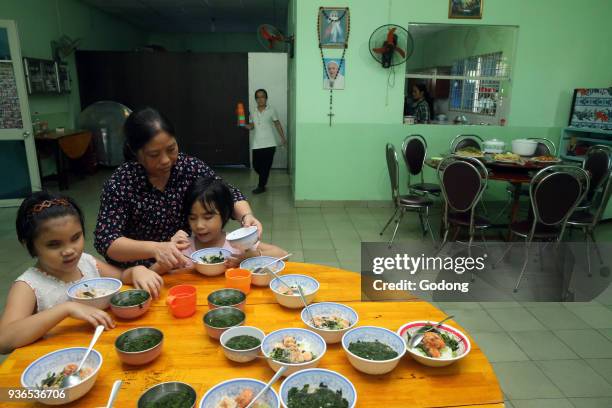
<point x="182" y="300"/>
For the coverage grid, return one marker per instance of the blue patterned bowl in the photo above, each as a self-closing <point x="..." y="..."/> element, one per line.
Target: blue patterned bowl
<point x="207" y="269"/>
<point x="232" y="388"/>
<point x="262" y="279"/>
<point x="329" y="309"/>
<point x="316" y="376"/>
<point x="316" y="345"/>
<point x="308" y="284"/>
<point x="108" y="286"/>
<point x="55" y="361"/>
<point x="373" y="333"/>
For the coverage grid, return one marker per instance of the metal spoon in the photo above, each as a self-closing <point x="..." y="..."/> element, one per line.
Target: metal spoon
<point x="258" y="270"/>
<point x="275" y="378"/>
<point x="75" y="378"/>
<point x="311" y="319"/>
<point x="416" y="339"/>
<point x="113" y="394"/>
<point x="198" y="261"/>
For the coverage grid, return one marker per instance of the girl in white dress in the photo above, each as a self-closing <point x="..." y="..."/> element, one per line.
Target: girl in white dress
<point x="51" y="228"/>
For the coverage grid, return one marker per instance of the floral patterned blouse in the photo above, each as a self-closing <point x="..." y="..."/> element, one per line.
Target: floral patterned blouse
<point x="131" y="207"/>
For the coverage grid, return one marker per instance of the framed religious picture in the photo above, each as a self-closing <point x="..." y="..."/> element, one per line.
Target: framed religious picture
<point x="465" y="8"/>
<point x="333" y="27"/>
<point x="333" y="73"/>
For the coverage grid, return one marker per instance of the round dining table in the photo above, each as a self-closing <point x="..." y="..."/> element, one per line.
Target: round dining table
<point x="190" y="356"/>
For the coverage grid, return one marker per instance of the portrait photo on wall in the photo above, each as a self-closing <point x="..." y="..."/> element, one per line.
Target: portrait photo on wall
<point x="465" y="8"/>
<point x="333" y="73"/>
<point x="333" y="27"/>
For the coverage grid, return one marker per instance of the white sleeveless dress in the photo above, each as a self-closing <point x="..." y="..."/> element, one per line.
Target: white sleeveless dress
<point x="51" y="291"/>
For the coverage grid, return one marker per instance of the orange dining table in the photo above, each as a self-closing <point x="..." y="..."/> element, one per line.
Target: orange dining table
<point x="190" y="356"/>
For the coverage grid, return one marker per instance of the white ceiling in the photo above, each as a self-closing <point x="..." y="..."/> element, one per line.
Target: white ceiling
<point x="196" y="16"/>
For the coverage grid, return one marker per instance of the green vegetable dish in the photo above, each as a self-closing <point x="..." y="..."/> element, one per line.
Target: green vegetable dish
<point x="372" y="350"/>
<point x="177" y="399"/>
<point x="130" y="298"/>
<point x="244" y="342"/>
<point x="134" y="344"/>
<point x="224" y="321"/>
<point x="321" y="397"/>
<point x="213" y="259"/>
<point x="228" y="300"/>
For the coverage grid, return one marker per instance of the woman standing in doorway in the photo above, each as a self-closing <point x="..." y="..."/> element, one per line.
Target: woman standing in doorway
<point x="423" y="104"/>
<point x="263" y="121"/>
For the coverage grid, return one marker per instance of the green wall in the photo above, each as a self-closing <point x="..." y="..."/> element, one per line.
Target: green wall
<point x="40" y="21"/>
<point x="560" y="46"/>
<point x="213" y="42"/>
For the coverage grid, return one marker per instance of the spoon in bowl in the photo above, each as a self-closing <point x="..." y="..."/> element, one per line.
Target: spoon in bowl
<point x="301" y="291"/>
<point x="417" y="338"/>
<point x="75" y="378"/>
<point x="259" y="269"/>
<point x="275" y="378"/>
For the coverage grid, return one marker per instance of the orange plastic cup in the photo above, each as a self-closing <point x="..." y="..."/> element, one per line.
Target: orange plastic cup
<point x="182" y="300"/>
<point x="238" y="278"/>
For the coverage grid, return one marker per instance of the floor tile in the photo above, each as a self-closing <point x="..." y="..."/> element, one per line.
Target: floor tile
<point x="602" y="366"/>
<point x="607" y="333"/>
<point x="588" y="343"/>
<point x="557" y="317"/>
<point x="515" y="319"/>
<point x="499" y="347"/>
<point x="543" y="403"/>
<point x="591" y="402"/>
<point x="542" y="345"/>
<point x="597" y="316"/>
<point x="476" y="320"/>
<point x="575" y="378"/>
<point x="524" y="380"/>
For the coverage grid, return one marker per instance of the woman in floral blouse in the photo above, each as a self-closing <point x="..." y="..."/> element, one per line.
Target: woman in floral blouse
<point x="141" y="206"/>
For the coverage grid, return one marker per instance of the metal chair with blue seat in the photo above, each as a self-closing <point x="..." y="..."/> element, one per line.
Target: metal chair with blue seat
<point x="410" y="202"/>
<point x="414" y="151"/>
<point x="555" y="191"/>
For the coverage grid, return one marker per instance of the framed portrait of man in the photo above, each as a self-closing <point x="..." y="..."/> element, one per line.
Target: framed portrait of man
<point x="465" y="8"/>
<point x="333" y="73"/>
<point x="333" y="27"/>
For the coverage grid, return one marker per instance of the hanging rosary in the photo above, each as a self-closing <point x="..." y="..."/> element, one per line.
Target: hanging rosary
<point x="330" y="80"/>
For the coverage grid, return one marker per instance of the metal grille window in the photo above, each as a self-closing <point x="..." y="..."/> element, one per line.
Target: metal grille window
<point x="478" y="90"/>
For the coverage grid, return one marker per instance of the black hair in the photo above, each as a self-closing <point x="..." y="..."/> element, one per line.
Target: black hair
<point x="214" y="195"/>
<point x="140" y="127"/>
<point x="261" y="90"/>
<point x="423" y="88"/>
<point x="39" y="207"/>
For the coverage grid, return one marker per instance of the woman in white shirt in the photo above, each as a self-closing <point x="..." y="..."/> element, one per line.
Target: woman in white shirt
<point x="263" y="121"/>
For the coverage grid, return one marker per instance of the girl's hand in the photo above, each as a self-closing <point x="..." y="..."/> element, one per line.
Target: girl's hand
<point x="233" y="261"/>
<point x="181" y="239"/>
<point x="146" y="279"/>
<point x="250" y="220"/>
<point x="168" y="255"/>
<point x="90" y="314"/>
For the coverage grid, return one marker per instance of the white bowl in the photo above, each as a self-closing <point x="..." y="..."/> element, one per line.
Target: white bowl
<point x="327" y="309"/>
<point x="232" y="388"/>
<point x="109" y="285"/>
<point x="309" y="285"/>
<point x="207" y="269"/>
<point x="524" y="147"/>
<point x="243" y="238"/>
<point x="372" y="333"/>
<point x="316" y="376"/>
<point x="464" y="346"/>
<point x="316" y="343"/>
<point x="242" y="356"/>
<point x="262" y="279"/>
<point x="494" y="146"/>
<point x="56" y="361"/>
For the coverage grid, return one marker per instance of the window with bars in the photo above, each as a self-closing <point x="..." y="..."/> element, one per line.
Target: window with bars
<point x="476" y="86"/>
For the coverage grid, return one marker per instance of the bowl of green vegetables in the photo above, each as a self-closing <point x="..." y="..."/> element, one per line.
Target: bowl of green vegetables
<point x="130" y="304"/>
<point x="227" y="297"/>
<point x="210" y="261"/>
<point x="140" y="345"/>
<point x="218" y="320"/>
<point x="242" y="344"/>
<point x="173" y="394"/>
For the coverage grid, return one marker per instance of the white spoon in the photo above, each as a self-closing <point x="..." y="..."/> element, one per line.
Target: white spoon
<point x="113" y="394"/>
<point x="75" y="378"/>
<point x="278" y="374"/>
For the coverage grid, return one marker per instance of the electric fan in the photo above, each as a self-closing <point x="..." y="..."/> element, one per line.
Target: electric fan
<point x="273" y="39"/>
<point x="391" y="45"/>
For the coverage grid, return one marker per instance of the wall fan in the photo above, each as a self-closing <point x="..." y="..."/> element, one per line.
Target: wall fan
<point x="391" y="45"/>
<point x="272" y="39"/>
